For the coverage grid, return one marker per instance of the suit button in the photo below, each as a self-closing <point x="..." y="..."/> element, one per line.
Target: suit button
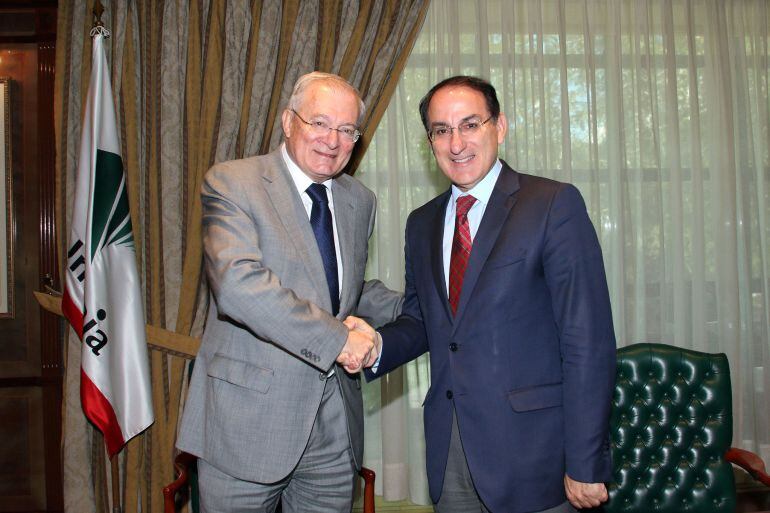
<point x="322" y="376"/>
<point x="448" y="394"/>
<point x="453" y="347"/>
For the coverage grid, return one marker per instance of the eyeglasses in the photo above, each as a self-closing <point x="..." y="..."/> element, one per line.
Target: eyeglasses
<point x="466" y="128"/>
<point x="319" y="127"/>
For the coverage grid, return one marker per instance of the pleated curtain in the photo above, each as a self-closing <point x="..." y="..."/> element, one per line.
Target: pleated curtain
<point x="195" y="82"/>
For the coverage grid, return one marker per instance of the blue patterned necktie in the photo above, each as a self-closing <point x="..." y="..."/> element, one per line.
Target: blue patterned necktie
<point x="323" y="228"/>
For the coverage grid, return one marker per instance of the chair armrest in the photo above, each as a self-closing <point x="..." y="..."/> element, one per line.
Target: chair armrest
<point x="749" y="462"/>
<point x="368" y="476"/>
<point x="181" y="464"/>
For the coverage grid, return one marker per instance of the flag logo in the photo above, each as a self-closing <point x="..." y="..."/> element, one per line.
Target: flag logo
<point x="102" y="297"/>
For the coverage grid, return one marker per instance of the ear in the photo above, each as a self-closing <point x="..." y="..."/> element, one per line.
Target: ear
<point x="502" y="128"/>
<point x="286" y="120"/>
<point x="430" y="144"/>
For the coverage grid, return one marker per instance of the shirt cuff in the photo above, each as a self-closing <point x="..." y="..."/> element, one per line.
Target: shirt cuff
<point x="379" y="356"/>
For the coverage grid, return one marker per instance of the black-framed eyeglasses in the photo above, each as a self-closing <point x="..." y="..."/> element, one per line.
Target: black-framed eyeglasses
<point x="320" y="127"/>
<point x="466" y="129"/>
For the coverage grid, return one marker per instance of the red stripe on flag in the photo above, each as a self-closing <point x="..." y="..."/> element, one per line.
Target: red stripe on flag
<point x="99" y="411"/>
<point x="72" y="313"/>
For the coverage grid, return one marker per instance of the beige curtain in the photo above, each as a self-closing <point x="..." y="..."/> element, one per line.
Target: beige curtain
<point x="195" y="82"/>
<point x="659" y="112"/>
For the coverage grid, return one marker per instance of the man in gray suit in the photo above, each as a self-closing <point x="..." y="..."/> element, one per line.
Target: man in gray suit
<point x="285" y="236"/>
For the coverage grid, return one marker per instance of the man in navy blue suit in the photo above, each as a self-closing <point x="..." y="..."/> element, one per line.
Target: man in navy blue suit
<point x="505" y="286"/>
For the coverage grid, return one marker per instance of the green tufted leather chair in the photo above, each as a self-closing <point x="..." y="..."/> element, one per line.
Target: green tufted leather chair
<point x="671" y="427"/>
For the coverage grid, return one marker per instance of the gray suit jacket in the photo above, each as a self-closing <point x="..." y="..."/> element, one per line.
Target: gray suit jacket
<point x="269" y="336"/>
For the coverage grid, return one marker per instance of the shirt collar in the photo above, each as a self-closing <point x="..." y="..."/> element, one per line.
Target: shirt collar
<point x="300" y="179"/>
<point x="482" y="190"/>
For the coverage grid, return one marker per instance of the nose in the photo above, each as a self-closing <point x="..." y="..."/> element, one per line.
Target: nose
<point x="332" y="139"/>
<point x="456" y="142"/>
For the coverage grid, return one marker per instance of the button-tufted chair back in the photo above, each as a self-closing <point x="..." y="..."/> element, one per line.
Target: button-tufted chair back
<point x="670" y="427"/>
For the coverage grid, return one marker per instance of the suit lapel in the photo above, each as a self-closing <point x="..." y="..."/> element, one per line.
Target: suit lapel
<point x="285" y="199"/>
<point x="500" y="203"/>
<point x="436" y="250"/>
<point x="344" y="213"/>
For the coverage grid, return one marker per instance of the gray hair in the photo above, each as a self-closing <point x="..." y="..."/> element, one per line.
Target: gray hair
<point x="303" y="82"/>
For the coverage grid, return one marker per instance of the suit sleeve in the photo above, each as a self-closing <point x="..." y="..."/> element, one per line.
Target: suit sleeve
<point x="249" y="293"/>
<point x="574" y="272"/>
<point x="378" y="304"/>
<point x="404" y="339"/>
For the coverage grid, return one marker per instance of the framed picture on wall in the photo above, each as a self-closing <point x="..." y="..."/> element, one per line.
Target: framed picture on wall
<point x="6" y="202"/>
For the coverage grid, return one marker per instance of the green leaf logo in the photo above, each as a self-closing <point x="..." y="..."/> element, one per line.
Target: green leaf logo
<point x="111" y="219"/>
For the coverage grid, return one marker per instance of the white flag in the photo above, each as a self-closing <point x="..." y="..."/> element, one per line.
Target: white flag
<point x="102" y="298"/>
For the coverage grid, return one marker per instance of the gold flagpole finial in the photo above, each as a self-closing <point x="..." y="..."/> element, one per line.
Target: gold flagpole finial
<point x="99" y="27"/>
<point x="98" y="11"/>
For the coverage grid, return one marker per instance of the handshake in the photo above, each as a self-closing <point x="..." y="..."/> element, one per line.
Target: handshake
<point x="362" y="348"/>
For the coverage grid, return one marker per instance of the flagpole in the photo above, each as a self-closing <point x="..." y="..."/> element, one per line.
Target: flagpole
<point x="115" y="389"/>
<point x="114" y="463"/>
<point x="115" y="471"/>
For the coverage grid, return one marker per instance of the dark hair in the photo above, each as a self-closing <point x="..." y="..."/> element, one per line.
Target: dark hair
<point x="475" y="83"/>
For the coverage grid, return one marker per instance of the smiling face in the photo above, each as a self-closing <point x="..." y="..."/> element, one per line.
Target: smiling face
<point x="465" y="159"/>
<point x="321" y="156"/>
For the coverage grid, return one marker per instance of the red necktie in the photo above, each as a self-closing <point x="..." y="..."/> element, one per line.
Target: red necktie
<point x="461" y="250"/>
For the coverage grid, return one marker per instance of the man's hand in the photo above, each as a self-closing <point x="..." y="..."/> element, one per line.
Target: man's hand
<point x="584" y="495"/>
<point x="358" y="324"/>
<point x="358" y="348"/>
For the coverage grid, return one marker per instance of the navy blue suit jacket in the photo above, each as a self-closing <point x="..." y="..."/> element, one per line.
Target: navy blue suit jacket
<point x="528" y="362"/>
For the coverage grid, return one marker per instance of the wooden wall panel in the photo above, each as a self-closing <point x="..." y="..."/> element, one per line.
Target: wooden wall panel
<point x="19" y="342"/>
<point x="31" y="371"/>
<point x="21" y="453"/>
